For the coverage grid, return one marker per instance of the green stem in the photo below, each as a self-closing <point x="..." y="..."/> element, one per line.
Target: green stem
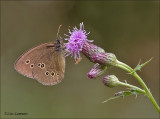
<point x="121" y="64"/>
<point x="131" y="86"/>
<point x="148" y="93"/>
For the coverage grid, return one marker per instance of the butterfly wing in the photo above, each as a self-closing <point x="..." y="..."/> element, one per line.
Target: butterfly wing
<point x="49" y="69"/>
<point x="26" y="62"/>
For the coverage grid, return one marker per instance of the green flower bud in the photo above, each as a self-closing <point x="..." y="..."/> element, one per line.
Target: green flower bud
<point x="111" y="81"/>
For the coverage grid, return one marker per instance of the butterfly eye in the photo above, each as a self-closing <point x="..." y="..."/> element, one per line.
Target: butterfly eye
<point x="52" y="73"/>
<point x="31" y="66"/>
<point x="27" y="61"/>
<point x="46" y="73"/>
<point x="42" y="65"/>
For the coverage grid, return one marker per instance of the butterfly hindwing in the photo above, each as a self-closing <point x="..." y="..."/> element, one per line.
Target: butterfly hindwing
<point x="49" y="69"/>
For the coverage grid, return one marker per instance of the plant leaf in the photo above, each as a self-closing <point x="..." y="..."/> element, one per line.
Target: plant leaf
<point x="140" y="66"/>
<point x="135" y="92"/>
<point x="123" y="94"/>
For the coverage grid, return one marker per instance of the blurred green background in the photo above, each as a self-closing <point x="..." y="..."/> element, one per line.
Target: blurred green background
<point x="129" y="29"/>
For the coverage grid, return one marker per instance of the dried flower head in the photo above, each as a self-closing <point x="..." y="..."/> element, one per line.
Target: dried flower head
<point x="76" y="40"/>
<point x="120" y="93"/>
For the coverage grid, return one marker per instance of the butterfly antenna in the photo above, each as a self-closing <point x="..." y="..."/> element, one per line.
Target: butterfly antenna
<point x="59" y="29"/>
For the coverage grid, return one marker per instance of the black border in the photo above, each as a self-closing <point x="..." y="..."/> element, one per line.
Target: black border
<point x="77" y="0"/>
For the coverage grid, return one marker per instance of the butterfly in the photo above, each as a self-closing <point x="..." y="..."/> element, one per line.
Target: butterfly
<point x="45" y="62"/>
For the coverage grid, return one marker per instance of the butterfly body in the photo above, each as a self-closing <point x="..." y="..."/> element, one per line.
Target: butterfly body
<point x="45" y="63"/>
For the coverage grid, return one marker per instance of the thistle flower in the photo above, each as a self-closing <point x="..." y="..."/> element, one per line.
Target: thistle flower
<point x="89" y="50"/>
<point x="76" y="40"/>
<point x="96" y="71"/>
<point x="105" y="59"/>
<point x="111" y="81"/>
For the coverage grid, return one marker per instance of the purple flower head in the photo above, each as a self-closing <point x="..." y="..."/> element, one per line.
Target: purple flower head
<point x="89" y="50"/>
<point x="76" y="40"/>
<point x="108" y="59"/>
<point x="96" y="71"/>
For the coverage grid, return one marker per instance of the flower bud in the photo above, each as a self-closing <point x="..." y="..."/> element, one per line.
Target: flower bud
<point x="110" y="81"/>
<point x="96" y="71"/>
<point x="105" y="59"/>
<point x="89" y="50"/>
<point x="120" y="93"/>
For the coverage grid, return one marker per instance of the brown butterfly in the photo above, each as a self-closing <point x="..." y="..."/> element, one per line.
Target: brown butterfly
<point x="45" y="62"/>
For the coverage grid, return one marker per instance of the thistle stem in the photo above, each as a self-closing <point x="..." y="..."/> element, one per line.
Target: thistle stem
<point x="147" y="91"/>
<point x="131" y="86"/>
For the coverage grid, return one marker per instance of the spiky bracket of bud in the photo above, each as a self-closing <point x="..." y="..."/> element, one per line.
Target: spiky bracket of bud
<point x="124" y="94"/>
<point x="140" y="66"/>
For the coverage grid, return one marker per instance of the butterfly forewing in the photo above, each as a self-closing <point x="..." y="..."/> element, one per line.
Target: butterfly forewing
<point x="45" y="63"/>
<point x="25" y="63"/>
